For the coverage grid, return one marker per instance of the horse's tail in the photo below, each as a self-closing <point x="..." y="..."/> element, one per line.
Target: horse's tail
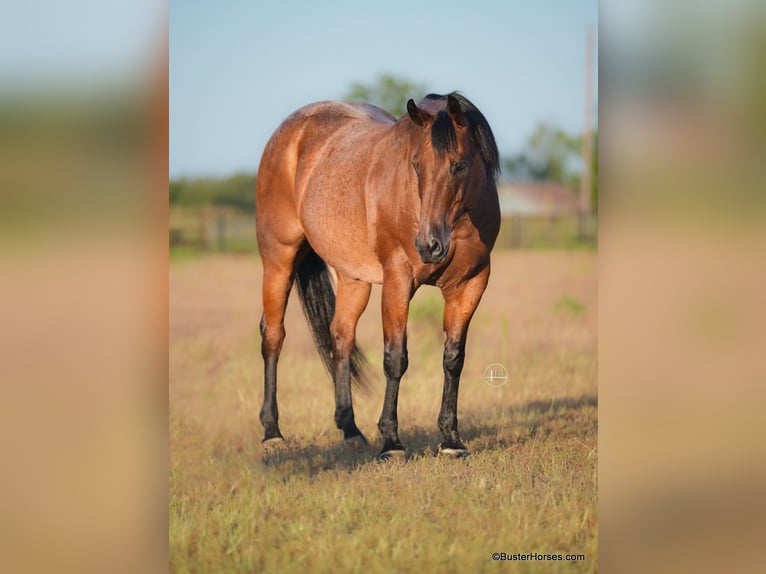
<point x="318" y="300"/>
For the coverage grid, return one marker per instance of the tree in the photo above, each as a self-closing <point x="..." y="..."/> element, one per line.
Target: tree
<point x="550" y="155"/>
<point x="552" y="152"/>
<point x="235" y="191"/>
<point x="388" y="92"/>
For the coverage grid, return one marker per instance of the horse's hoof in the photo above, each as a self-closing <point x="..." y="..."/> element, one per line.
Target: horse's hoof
<point x="453" y="452"/>
<point x="392" y="455"/>
<point x="356" y="442"/>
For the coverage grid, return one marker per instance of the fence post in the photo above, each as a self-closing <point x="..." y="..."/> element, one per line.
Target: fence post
<point x="203" y="228"/>
<point x="515" y="230"/>
<point x="583" y="227"/>
<point x="221" y="232"/>
<point x="550" y="228"/>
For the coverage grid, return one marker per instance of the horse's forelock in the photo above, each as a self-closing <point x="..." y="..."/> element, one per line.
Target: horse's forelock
<point x="444" y="135"/>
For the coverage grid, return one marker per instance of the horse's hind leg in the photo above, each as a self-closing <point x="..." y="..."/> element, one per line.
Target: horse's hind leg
<point x="277" y="280"/>
<point x="351" y="300"/>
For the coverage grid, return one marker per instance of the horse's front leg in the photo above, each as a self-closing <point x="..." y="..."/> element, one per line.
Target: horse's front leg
<point x="459" y="306"/>
<point x="397" y="290"/>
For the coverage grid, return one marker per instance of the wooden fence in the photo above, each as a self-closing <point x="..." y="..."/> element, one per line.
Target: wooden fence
<point x="547" y="232"/>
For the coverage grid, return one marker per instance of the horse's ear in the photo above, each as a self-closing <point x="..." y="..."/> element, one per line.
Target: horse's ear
<point x="419" y="116"/>
<point x="455" y="112"/>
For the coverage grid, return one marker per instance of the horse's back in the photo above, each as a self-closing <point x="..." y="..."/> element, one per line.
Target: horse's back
<point x="308" y="129"/>
<point x="311" y="125"/>
<point x="340" y="113"/>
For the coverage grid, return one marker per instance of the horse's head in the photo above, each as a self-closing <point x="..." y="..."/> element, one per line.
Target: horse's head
<point x="453" y="160"/>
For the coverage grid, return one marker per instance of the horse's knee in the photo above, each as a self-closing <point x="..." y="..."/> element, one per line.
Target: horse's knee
<point x="395" y="360"/>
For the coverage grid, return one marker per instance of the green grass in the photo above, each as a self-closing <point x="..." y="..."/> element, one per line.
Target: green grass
<point x="568" y="304"/>
<point x="324" y="507"/>
<point x="184" y="252"/>
<point x="427" y="307"/>
<point x="317" y="505"/>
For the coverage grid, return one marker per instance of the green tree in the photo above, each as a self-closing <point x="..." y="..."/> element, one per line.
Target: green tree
<point x="176" y="191"/>
<point x="235" y="191"/>
<point x="388" y="92"/>
<point x="519" y="168"/>
<point x="552" y="153"/>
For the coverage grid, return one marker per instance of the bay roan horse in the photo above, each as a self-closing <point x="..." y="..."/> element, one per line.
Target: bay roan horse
<point x="400" y="203"/>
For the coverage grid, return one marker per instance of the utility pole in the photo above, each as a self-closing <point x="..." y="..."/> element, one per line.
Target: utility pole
<point x="585" y="204"/>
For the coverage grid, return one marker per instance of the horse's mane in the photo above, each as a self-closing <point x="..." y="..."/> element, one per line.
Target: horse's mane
<point x="444" y="138"/>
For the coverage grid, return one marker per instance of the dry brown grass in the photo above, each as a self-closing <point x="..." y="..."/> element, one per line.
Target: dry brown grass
<point x="315" y="505"/>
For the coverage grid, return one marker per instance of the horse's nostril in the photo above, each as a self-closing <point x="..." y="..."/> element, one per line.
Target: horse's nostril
<point x="434" y="245"/>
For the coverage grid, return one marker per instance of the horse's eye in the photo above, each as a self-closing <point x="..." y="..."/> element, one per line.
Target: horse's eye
<point x="458" y="167"/>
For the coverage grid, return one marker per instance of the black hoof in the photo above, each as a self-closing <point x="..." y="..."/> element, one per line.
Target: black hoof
<point x="395" y="454"/>
<point x="353" y="433"/>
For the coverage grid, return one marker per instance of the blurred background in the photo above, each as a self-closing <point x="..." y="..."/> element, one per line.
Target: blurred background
<point x="682" y="269"/>
<point x="83" y="205"/>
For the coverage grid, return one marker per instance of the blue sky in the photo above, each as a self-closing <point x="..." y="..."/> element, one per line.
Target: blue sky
<point x="238" y="68"/>
<point x="45" y="43"/>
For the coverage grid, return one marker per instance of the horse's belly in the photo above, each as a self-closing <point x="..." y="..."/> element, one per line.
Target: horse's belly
<point x="330" y="188"/>
<point x="364" y="270"/>
<point x="336" y="228"/>
<point x="348" y="257"/>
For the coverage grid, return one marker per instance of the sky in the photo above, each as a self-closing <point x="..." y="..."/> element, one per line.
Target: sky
<point x="50" y="42"/>
<point x="240" y="67"/>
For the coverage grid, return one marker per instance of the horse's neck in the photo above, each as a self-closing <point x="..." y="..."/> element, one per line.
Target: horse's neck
<point x="397" y="145"/>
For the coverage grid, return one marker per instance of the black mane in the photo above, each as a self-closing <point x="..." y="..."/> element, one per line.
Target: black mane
<point x="444" y="137"/>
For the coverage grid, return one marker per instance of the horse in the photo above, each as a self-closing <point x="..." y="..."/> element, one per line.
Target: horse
<point x="398" y="203"/>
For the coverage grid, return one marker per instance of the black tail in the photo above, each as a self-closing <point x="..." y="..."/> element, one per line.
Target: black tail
<point x="318" y="300"/>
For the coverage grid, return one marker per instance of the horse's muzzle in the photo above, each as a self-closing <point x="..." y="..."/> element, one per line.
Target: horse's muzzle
<point x="433" y="249"/>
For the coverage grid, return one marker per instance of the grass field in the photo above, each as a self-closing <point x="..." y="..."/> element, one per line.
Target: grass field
<point x="316" y="505"/>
